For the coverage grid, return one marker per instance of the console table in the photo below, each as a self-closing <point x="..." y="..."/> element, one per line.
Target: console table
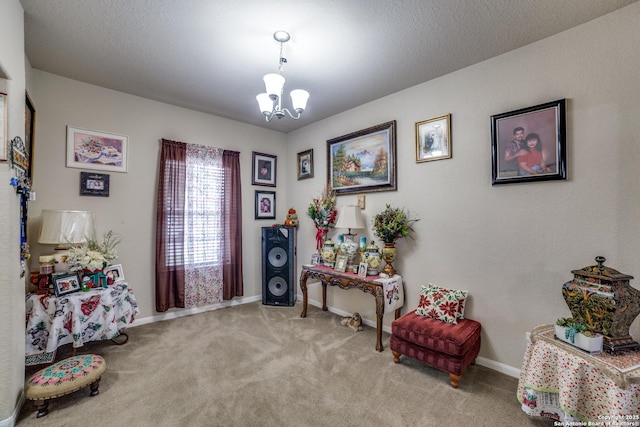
<point x="564" y="383"/>
<point x="389" y="292"/>
<point x="76" y="318"/>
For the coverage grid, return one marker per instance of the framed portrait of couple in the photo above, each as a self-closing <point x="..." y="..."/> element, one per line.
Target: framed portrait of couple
<point x="529" y="144"/>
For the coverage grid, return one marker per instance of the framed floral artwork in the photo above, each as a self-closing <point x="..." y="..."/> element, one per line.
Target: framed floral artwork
<point x="89" y="149"/>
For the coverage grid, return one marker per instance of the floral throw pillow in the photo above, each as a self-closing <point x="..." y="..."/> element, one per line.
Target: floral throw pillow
<point x="443" y="304"/>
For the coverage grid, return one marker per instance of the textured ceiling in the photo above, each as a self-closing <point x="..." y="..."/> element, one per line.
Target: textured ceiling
<point x="210" y="55"/>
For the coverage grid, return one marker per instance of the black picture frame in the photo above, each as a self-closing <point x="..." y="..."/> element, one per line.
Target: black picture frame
<point x="65" y="283"/>
<point x="29" y="133"/>
<point x="264" y="169"/>
<point x="265" y="205"/>
<point x="363" y="161"/>
<point x="94" y="184"/>
<point x="305" y="164"/>
<point x="509" y="130"/>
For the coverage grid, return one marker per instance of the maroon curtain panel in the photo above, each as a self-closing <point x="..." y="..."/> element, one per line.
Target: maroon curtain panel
<point x="170" y="226"/>
<point x="232" y="225"/>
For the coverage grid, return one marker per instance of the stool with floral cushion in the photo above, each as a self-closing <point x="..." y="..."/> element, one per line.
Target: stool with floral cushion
<point x="63" y="378"/>
<point x="437" y="333"/>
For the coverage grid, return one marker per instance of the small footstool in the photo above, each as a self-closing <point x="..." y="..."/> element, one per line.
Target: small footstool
<point x="450" y="348"/>
<point x="64" y="377"/>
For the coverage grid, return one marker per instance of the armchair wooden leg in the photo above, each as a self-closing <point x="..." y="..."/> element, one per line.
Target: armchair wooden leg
<point x="396" y="356"/>
<point x="454" y="380"/>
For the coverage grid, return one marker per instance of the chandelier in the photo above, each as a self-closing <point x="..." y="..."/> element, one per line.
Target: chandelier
<point x="270" y="102"/>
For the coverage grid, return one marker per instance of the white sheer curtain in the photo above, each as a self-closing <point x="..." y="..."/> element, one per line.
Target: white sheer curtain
<point x="203" y="226"/>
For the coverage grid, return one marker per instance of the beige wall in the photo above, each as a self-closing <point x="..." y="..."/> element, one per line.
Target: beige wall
<point x="511" y="246"/>
<point x="130" y="207"/>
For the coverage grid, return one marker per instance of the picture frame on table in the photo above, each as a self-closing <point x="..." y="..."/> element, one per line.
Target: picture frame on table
<point x="316" y="259"/>
<point x="433" y="139"/>
<point x="94" y="184"/>
<point x="362" y="269"/>
<point x="95" y="150"/>
<point x="341" y="263"/>
<point x="264" y="169"/>
<point x="363" y="161"/>
<point x="65" y="283"/>
<point x="91" y="281"/>
<point x="114" y="273"/>
<point x="305" y="164"/>
<point x="529" y="144"/>
<point x="265" y="205"/>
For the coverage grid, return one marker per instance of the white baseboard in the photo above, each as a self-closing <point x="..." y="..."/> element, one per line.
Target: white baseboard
<point x="488" y="363"/>
<point x="11" y="421"/>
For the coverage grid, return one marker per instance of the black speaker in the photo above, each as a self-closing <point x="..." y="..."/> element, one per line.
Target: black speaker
<point x="279" y="265"/>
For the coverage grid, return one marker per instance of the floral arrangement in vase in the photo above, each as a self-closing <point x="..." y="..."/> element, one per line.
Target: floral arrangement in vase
<point x="323" y="212"/>
<point x="95" y="255"/>
<point x="390" y="225"/>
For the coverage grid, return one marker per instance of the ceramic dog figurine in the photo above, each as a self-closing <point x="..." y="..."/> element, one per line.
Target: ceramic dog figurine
<point x="354" y="322"/>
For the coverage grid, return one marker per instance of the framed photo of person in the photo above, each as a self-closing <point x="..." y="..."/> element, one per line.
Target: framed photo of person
<point x="263" y="171"/>
<point x="113" y="273"/>
<point x="362" y="270"/>
<point x="529" y="144"/>
<point x="65" y="283"/>
<point x="265" y="205"/>
<point x="305" y="164"/>
<point x="341" y="263"/>
<point x="94" y="184"/>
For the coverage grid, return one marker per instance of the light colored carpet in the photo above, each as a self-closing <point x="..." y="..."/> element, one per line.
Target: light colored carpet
<point x="256" y="365"/>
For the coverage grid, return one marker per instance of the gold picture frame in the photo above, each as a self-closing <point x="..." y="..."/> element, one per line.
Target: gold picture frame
<point x="433" y="139"/>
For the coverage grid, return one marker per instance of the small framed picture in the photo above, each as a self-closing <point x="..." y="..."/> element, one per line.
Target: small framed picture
<point x="94" y="184"/>
<point x="341" y="263"/>
<point x="265" y="205"/>
<point x="362" y="270"/>
<point x="263" y="171"/>
<point x="89" y="149"/>
<point x="113" y="273"/>
<point x="316" y="259"/>
<point x="305" y="164"/>
<point x="65" y="283"/>
<point x="91" y="281"/>
<point x="529" y="144"/>
<point x="433" y="139"/>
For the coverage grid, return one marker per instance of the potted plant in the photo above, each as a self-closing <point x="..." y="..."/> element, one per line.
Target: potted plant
<point x="578" y="334"/>
<point x="390" y="225"/>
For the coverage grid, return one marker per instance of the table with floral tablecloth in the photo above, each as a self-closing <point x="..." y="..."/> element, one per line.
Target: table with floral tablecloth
<point x="80" y="317"/>
<point x="564" y="383"/>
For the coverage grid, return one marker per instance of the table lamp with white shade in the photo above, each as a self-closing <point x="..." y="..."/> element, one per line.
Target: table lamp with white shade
<point x="64" y="228"/>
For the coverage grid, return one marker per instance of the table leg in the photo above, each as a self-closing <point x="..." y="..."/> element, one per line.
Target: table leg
<point x="379" y="315"/>
<point x="398" y="310"/>
<point x="324" y="296"/>
<point x="303" y="287"/>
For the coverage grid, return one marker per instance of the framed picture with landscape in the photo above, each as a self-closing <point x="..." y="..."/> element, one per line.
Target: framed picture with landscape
<point x="363" y="161"/>
<point x="529" y="144"/>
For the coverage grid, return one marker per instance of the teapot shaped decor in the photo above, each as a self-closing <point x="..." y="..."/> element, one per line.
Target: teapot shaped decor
<point x="373" y="259"/>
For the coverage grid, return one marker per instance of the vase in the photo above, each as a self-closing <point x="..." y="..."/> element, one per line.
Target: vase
<point x="328" y="253"/>
<point x="371" y="256"/>
<point x="389" y="253"/>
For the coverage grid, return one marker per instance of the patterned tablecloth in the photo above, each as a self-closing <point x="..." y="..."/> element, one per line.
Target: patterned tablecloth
<point x="564" y="383"/>
<point x="76" y="318"/>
